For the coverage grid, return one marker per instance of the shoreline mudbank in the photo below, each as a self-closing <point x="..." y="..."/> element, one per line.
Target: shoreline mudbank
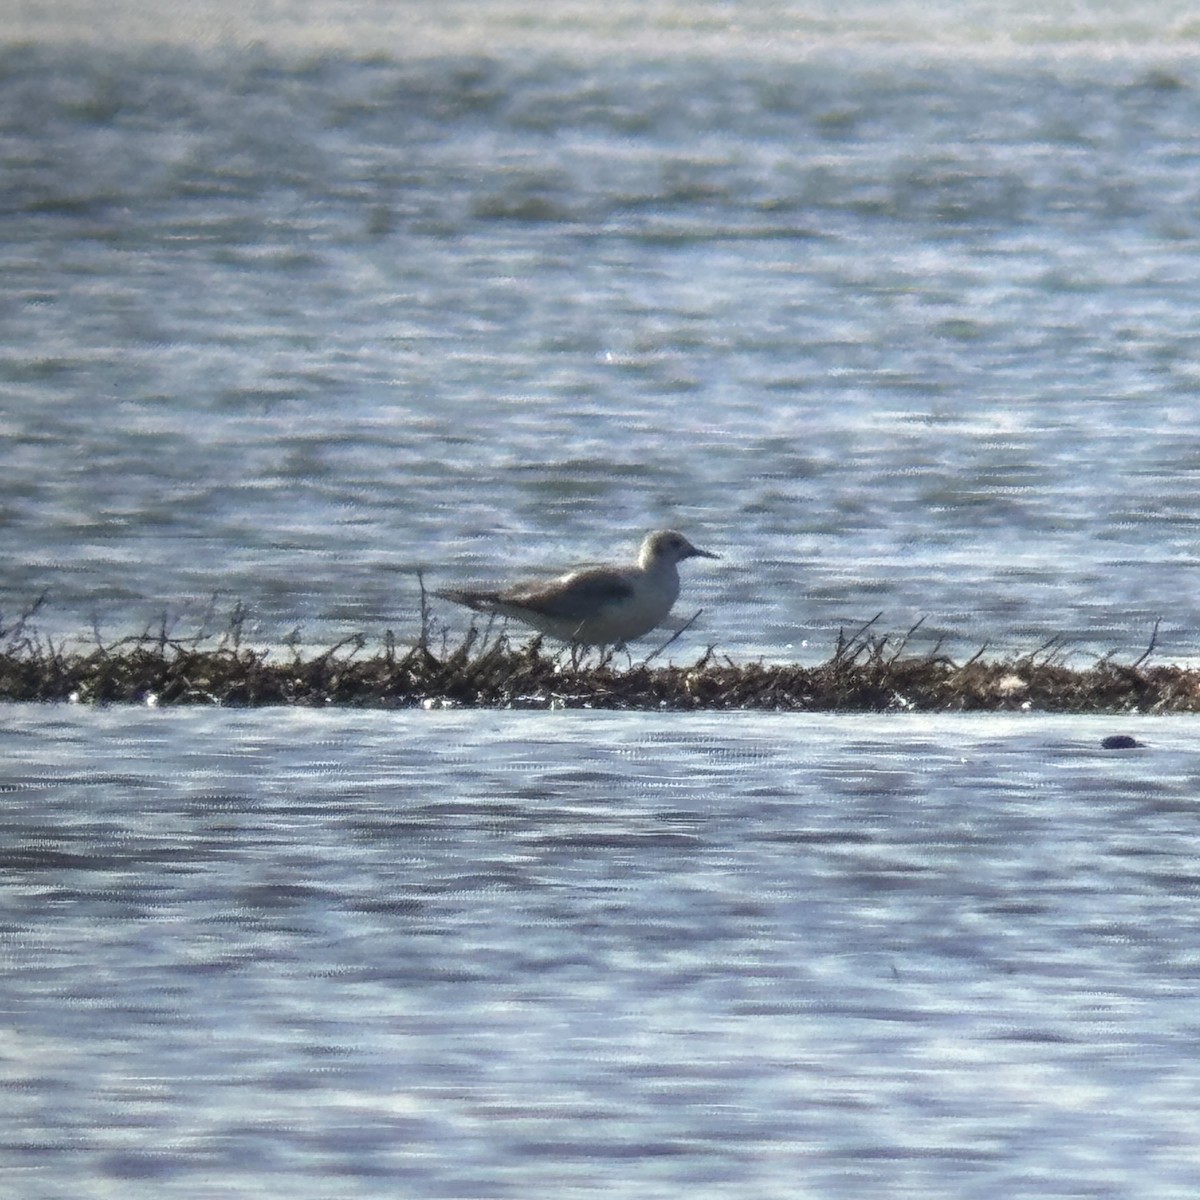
<point x="866" y="672"/>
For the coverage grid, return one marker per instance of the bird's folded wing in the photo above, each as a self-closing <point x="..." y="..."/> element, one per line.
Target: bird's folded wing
<point x="576" y="597"/>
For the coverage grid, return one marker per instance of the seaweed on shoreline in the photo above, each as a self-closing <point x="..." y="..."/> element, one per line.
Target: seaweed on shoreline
<point x="867" y="672"/>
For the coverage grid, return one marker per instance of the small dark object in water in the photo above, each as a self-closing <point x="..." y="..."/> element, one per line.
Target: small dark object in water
<point x="1120" y="741"/>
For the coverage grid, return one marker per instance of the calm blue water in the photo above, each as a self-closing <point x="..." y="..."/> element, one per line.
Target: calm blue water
<point x="892" y="306"/>
<point x="487" y="955"/>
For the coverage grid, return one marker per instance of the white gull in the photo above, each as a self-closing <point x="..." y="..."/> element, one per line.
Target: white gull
<point x="596" y="606"/>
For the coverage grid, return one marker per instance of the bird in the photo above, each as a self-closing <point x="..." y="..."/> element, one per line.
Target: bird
<point x="595" y="606"/>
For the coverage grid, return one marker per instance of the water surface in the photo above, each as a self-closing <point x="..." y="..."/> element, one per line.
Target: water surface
<point x="580" y="954"/>
<point x="891" y="305"/>
<point x="898" y="331"/>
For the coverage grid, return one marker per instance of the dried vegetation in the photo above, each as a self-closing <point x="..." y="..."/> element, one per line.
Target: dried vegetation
<point x="867" y="672"/>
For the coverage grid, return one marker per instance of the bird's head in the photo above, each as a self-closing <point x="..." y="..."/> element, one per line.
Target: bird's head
<point x="668" y="546"/>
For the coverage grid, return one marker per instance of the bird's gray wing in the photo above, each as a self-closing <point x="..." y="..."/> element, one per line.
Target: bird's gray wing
<point x="575" y="597"/>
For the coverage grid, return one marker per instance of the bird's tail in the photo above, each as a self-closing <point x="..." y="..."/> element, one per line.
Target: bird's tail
<point x="477" y="601"/>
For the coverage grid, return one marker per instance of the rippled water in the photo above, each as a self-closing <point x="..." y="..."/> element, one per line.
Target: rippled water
<point x="575" y="954"/>
<point x="900" y="332"/>
<point x="893" y="306"/>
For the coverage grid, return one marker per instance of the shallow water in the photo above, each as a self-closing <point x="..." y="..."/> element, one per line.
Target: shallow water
<point x="907" y="331"/>
<point x="893" y="306"/>
<point x="484" y="954"/>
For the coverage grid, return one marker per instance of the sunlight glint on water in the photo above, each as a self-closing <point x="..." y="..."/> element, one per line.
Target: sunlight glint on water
<point x="893" y="306"/>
